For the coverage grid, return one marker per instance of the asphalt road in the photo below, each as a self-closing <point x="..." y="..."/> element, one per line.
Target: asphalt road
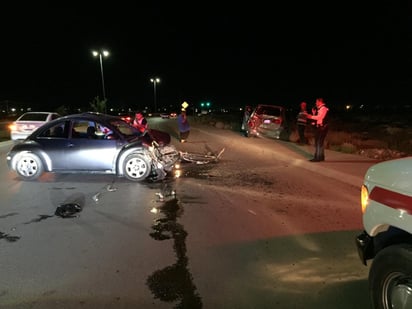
<point x="262" y="228"/>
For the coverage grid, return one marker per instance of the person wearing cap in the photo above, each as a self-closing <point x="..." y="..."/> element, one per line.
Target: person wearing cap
<point x="320" y="115"/>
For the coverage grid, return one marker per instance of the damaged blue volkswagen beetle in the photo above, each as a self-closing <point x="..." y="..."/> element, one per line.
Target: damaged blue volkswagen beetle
<point x="91" y="143"/>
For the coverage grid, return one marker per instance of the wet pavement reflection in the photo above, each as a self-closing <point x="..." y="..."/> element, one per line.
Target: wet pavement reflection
<point x="192" y="170"/>
<point x="173" y="283"/>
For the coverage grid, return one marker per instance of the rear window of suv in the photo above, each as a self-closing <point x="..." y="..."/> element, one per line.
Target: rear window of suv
<point x="268" y="110"/>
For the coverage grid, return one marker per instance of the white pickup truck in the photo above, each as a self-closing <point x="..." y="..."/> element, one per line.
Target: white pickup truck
<point x="386" y="200"/>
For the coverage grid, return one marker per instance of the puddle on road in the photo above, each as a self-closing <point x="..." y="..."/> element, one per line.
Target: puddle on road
<point x="173" y="283"/>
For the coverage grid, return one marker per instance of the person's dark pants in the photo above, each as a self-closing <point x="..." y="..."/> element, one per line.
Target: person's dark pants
<point x="301" y="132"/>
<point x="320" y="136"/>
<point x="184" y="135"/>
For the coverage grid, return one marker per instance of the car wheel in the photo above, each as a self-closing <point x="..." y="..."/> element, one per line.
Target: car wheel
<point x="29" y="166"/>
<point x="136" y="167"/>
<point x="390" y="278"/>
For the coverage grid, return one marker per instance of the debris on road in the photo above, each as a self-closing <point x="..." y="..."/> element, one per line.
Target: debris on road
<point x="201" y="158"/>
<point x="68" y="210"/>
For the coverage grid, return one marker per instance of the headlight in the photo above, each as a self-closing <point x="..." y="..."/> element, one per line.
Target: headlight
<point x="364" y="198"/>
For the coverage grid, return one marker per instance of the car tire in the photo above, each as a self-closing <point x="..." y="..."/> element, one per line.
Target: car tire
<point x="390" y="278"/>
<point x="29" y="166"/>
<point x="136" y="167"/>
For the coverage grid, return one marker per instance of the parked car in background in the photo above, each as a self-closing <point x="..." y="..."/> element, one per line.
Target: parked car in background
<point x="166" y="115"/>
<point x="267" y="120"/>
<point x="24" y="125"/>
<point x="91" y="143"/>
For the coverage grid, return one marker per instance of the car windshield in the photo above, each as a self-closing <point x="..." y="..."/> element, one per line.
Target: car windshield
<point x="33" y="117"/>
<point x="125" y="128"/>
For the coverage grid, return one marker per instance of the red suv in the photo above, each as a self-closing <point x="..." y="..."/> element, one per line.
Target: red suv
<point x="267" y="120"/>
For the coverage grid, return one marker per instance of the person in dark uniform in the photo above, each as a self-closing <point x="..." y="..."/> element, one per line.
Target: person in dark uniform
<point x="320" y="115"/>
<point x="302" y="120"/>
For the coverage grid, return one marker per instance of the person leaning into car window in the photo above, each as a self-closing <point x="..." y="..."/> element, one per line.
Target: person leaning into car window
<point x="140" y="122"/>
<point x="320" y="114"/>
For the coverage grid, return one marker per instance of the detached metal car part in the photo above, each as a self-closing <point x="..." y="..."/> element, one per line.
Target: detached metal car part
<point x="84" y="143"/>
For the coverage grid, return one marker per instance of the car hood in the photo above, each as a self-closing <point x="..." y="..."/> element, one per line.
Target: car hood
<point x="395" y="175"/>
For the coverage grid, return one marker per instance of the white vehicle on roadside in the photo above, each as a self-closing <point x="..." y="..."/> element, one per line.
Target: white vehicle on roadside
<point x="386" y="199"/>
<point x="28" y="122"/>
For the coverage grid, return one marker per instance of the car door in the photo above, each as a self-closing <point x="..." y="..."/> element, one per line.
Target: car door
<point x="90" y="154"/>
<point x="53" y="141"/>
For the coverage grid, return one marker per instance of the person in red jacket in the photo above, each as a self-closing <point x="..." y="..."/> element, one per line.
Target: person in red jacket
<point x="140" y="122"/>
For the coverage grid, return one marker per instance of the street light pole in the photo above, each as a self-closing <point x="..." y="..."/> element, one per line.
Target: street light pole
<point x="155" y="81"/>
<point x="102" y="53"/>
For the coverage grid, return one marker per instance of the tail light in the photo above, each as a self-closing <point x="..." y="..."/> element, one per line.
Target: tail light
<point x="277" y="121"/>
<point x="252" y="121"/>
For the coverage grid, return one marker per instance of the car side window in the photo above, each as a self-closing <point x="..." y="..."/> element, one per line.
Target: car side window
<point x="79" y="128"/>
<point x="105" y="132"/>
<point x="89" y="130"/>
<point x="54" y="131"/>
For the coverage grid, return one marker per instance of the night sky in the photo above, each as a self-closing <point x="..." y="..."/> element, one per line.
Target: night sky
<point x="231" y="55"/>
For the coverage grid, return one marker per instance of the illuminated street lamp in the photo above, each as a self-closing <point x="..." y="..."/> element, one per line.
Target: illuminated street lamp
<point x="101" y="54"/>
<point x="155" y="81"/>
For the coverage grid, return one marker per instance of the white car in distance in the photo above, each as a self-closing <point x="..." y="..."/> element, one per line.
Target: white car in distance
<point x="28" y="122"/>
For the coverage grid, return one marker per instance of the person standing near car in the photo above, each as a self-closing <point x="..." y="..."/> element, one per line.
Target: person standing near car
<point x="140" y="122"/>
<point x="320" y="115"/>
<point x="183" y="126"/>
<point x="302" y="120"/>
<point x="245" y="120"/>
